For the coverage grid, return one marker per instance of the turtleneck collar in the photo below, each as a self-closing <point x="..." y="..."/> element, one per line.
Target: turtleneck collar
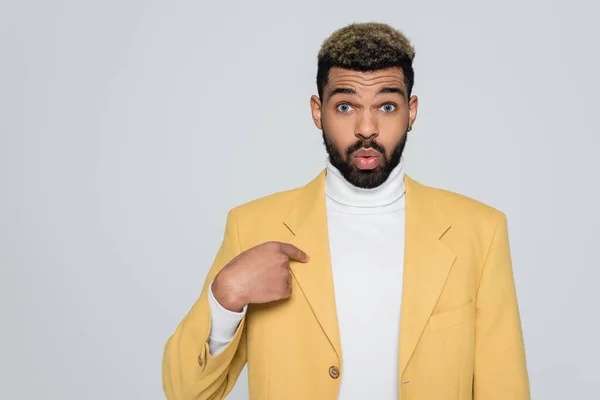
<point x="342" y="195"/>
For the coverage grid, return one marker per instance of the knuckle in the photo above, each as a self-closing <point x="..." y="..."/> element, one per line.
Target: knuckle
<point x="270" y="244"/>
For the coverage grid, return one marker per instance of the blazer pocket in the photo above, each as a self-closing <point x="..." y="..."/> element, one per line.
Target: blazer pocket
<point x="452" y="318"/>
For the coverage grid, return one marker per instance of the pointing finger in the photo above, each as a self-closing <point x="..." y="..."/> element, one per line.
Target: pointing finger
<point x="294" y="253"/>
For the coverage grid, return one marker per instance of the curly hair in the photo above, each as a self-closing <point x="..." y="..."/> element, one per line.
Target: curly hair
<point x="368" y="46"/>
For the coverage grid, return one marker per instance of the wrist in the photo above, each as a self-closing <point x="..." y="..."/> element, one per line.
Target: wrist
<point x="222" y="292"/>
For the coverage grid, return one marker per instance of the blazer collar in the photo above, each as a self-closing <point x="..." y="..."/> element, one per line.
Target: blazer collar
<point x="311" y="198"/>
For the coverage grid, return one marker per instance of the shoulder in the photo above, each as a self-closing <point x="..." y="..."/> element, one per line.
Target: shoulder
<point x="460" y="208"/>
<point x="276" y="206"/>
<point x="261" y="219"/>
<point x="268" y="205"/>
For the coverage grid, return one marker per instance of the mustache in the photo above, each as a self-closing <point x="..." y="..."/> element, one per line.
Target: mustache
<point x="365" y="144"/>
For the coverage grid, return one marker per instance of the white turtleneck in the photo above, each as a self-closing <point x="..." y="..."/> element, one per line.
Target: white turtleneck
<point x="366" y="241"/>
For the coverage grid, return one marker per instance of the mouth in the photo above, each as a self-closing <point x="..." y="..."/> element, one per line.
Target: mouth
<point x="367" y="153"/>
<point x="367" y="162"/>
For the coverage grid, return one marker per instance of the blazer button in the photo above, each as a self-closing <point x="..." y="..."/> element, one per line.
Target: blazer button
<point x="200" y="361"/>
<point x="334" y="372"/>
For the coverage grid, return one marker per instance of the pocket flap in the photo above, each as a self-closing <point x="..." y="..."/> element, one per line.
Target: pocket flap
<point x="451" y="318"/>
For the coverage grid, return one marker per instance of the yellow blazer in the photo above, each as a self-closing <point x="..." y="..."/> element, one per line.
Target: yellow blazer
<point x="460" y="330"/>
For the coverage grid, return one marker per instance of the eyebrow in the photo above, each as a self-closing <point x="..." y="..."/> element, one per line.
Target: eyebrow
<point x="340" y="91"/>
<point x="353" y="92"/>
<point x="392" y="90"/>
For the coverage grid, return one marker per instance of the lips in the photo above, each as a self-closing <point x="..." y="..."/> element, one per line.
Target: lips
<point x="366" y="159"/>
<point x="366" y="153"/>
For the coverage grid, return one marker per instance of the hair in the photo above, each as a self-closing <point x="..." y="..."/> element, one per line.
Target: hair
<point x="369" y="46"/>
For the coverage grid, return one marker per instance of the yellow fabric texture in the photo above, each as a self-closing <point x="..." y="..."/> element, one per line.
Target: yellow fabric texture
<point x="460" y="330"/>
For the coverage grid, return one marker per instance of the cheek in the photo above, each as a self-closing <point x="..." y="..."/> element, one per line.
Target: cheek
<point x="389" y="138"/>
<point x="340" y="130"/>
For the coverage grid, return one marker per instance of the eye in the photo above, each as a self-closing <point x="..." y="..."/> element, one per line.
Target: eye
<point x="344" y="107"/>
<point x="388" y="107"/>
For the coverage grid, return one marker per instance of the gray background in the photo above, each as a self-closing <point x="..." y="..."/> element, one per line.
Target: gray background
<point x="130" y="128"/>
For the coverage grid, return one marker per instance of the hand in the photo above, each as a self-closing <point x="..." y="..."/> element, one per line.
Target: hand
<point x="260" y="274"/>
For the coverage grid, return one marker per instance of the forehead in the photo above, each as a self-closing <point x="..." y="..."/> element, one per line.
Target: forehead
<point x="365" y="80"/>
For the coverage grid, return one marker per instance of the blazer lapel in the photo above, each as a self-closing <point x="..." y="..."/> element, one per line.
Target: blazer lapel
<point x="427" y="262"/>
<point x="307" y="220"/>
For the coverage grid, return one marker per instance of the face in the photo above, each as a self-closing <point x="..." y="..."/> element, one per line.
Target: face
<point x="364" y="117"/>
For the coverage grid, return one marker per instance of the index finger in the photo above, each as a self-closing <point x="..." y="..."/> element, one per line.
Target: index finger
<point x="293" y="252"/>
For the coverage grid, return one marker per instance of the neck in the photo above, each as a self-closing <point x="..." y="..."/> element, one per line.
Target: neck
<point x="343" y="193"/>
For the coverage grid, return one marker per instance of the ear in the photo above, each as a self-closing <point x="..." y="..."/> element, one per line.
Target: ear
<point x="315" y="109"/>
<point x="413" y="106"/>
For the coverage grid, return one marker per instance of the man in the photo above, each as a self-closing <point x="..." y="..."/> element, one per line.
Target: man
<point x="363" y="283"/>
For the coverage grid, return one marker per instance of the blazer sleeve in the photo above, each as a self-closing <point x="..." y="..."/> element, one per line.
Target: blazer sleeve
<point x="500" y="370"/>
<point x="189" y="371"/>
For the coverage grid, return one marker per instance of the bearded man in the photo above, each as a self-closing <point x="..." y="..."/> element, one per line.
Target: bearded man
<point x="363" y="284"/>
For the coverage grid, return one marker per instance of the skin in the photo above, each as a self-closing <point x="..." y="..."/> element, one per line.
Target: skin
<point x="258" y="275"/>
<point x="360" y="110"/>
<point x="364" y="110"/>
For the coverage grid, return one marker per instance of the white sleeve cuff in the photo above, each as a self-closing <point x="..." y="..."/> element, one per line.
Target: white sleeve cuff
<point x="224" y="323"/>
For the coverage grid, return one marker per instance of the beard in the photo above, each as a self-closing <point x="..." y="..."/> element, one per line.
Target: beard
<point x="365" y="179"/>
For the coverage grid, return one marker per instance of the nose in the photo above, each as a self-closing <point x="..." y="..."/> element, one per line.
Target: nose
<point x="366" y="125"/>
